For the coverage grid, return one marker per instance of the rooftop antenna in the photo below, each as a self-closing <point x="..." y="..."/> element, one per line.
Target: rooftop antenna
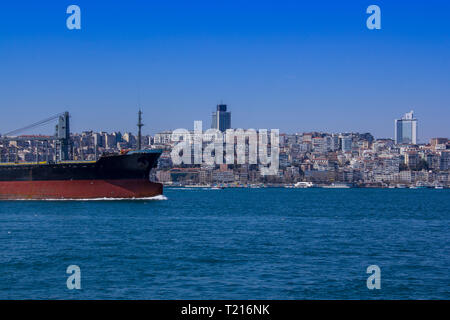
<point x="140" y="125"/>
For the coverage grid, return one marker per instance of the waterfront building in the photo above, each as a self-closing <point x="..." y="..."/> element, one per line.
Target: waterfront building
<point x="163" y="176"/>
<point x="223" y="176"/>
<point x="205" y="176"/>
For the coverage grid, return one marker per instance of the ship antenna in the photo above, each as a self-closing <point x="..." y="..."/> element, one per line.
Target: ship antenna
<point x="140" y="125"/>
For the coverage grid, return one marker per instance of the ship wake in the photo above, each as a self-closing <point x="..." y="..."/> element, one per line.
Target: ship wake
<point x="155" y="198"/>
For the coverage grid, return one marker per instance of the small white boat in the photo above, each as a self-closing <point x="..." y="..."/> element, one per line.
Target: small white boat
<point x="303" y="184"/>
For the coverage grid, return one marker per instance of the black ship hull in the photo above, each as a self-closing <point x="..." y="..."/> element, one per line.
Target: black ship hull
<point x="113" y="176"/>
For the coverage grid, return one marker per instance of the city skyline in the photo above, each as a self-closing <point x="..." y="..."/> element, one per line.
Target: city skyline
<point x="317" y="157"/>
<point x="285" y="65"/>
<point x="221" y="108"/>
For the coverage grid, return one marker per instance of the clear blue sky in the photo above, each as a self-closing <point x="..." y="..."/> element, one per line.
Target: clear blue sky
<point x="292" y="65"/>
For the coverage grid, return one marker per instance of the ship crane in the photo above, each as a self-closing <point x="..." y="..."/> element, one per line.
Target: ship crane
<point x="62" y="134"/>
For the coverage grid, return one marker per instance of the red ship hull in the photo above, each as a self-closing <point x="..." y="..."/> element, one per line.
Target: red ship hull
<point x="79" y="189"/>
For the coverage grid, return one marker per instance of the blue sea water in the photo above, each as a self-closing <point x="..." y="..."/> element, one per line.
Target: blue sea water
<point x="230" y="244"/>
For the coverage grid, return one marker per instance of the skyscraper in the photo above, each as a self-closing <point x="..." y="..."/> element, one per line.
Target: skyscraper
<point x="406" y="129"/>
<point x="221" y="119"/>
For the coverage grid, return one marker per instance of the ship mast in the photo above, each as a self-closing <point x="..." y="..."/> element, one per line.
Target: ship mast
<point x="140" y="125"/>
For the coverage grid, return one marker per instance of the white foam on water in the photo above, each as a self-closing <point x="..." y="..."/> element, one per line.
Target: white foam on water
<point x="158" y="197"/>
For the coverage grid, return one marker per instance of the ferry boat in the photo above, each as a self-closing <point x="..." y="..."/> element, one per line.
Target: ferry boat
<point x="303" y="184"/>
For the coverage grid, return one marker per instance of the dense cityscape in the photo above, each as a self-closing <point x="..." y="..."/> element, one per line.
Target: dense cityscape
<point x="320" y="158"/>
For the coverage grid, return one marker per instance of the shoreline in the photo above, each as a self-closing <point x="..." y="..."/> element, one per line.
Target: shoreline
<point x="290" y="186"/>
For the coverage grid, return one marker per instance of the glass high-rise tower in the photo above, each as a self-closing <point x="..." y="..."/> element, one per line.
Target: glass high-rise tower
<point x="406" y="129"/>
<point x="221" y="119"/>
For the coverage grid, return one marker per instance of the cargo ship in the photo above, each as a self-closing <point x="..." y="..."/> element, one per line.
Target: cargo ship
<point x="121" y="175"/>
